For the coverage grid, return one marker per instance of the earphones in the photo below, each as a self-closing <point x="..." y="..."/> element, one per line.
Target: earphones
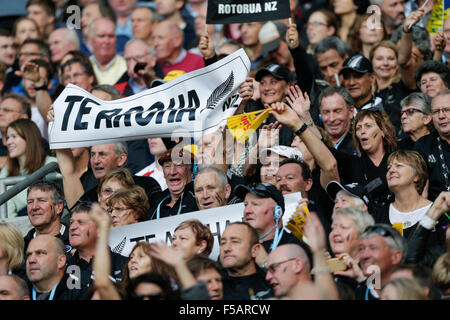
<point x="277" y="213"/>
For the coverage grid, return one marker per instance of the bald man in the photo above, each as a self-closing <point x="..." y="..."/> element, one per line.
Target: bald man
<point x="46" y="270"/>
<point x="13" y="288"/>
<point x="167" y="39"/>
<point x="288" y="272"/>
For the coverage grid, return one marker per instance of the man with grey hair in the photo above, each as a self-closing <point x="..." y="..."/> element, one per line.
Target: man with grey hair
<point x="142" y="68"/>
<point x="337" y="109"/>
<point x="211" y="188"/>
<point x="108" y="65"/>
<point x="46" y="271"/>
<point x="381" y="249"/>
<point x="435" y="147"/>
<point x="61" y="41"/>
<point x="392" y="13"/>
<point x="416" y="119"/>
<point x="45" y="204"/>
<point x="13" y="288"/>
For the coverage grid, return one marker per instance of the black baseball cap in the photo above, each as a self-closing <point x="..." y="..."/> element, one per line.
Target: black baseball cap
<point x="278" y="71"/>
<point x="263" y="190"/>
<point x="357" y="63"/>
<point x="356" y="190"/>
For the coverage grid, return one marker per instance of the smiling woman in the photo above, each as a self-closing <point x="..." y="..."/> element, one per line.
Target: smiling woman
<point x="26" y="154"/>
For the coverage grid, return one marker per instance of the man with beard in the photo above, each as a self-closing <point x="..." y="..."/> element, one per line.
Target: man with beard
<point x="392" y="13"/>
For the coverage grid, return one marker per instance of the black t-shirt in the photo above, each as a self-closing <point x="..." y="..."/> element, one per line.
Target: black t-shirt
<point x="405" y="143"/>
<point x="117" y="265"/>
<point x="428" y="147"/>
<point x="238" y="288"/>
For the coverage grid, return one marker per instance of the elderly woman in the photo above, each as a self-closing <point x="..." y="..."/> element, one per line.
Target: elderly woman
<point x="128" y="206"/>
<point x="432" y="76"/>
<point x="374" y="139"/>
<point x="116" y="179"/>
<point x="416" y="119"/>
<point x="347" y="226"/>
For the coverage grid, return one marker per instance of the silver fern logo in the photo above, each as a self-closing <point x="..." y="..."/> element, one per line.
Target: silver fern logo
<point x="219" y="93"/>
<point x="119" y="248"/>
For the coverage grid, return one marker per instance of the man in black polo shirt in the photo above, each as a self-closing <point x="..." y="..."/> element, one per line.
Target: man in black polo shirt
<point x="177" y="164"/>
<point x="83" y="238"/>
<point x="435" y="147"/>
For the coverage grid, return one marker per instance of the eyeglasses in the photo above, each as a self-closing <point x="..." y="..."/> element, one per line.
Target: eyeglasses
<point x="410" y="112"/>
<point x="107" y="191"/>
<point x="152" y="296"/>
<point x="274" y="266"/>
<point x="117" y="209"/>
<point x="316" y="24"/>
<point x="445" y="110"/>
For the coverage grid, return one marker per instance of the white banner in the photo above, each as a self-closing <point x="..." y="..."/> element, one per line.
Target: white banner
<point x="191" y="105"/>
<point x="123" y="239"/>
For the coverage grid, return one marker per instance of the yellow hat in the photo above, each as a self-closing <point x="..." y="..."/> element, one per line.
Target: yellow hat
<point x="173" y="74"/>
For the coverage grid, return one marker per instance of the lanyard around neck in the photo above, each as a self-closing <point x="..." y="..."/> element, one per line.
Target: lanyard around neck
<point x="52" y="293"/>
<point x="165" y="198"/>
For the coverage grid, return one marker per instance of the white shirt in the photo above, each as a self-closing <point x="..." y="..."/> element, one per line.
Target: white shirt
<point x="408" y="219"/>
<point x="152" y="171"/>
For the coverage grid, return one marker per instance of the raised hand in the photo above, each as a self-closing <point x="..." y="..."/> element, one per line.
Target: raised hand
<point x="269" y="135"/>
<point x="315" y="233"/>
<point x="412" y="19"/>
<point x="100" y="217"/>
<point x="440" y="41"/>
<point x="31" y="72"/>
<point x="51" y="114"/>
<point x="170" y="255"/>
<point x="284" y="114"/>
<point x="206" y="46"/>
<point x="298" y="101"/>
<point x="292" y="37"/>
<point x="246" y="89"/>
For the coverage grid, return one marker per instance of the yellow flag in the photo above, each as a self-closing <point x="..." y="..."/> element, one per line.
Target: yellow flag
<point x="243" y="125"/>
<point x="440" y="12"/>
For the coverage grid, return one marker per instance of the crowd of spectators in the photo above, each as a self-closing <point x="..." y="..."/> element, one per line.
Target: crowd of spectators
<point x="358" y="127"/>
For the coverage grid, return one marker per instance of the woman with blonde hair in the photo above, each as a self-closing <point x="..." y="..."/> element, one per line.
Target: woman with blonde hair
<point x="25" y="28"/>
<point x="11" y="249"/>
<point x="390" y="79"/>
<point x="403" y="289"/>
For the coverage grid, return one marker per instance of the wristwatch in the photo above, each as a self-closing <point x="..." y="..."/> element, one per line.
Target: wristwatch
<point x="43" y="87"/>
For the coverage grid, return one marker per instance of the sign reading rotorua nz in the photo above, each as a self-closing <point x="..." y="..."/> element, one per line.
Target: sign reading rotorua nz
<point x="193" y="104"/>
<point x="238" y="11"/>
